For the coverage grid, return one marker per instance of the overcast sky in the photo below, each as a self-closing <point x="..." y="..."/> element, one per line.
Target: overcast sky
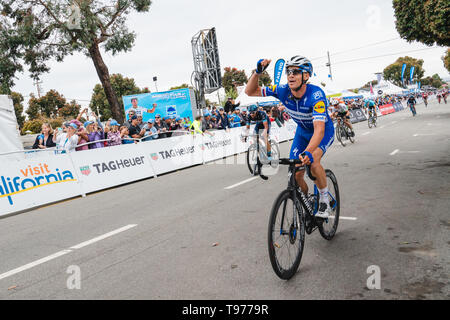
<point x="246" y="31"/>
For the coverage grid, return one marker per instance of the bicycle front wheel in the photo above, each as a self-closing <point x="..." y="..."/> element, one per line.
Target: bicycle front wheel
<point x="329" y="226"/>
<point x="286" y="236"/>
<point x="252" y="156"/>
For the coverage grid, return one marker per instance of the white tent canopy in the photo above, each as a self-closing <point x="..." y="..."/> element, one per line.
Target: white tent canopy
<point x="9" y="129"/>
<point x="387" y="87"/>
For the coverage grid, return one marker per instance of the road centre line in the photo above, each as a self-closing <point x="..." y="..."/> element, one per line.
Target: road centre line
<point x="365" y="133"/>
<point x="240" y="183"/>
<point x="64" y="252"/>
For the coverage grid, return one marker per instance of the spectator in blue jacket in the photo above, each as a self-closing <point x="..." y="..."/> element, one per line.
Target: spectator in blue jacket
<point x="222" y="120"/>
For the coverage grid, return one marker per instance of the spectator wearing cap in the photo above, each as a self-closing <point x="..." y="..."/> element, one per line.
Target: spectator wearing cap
<point x="150" y="131"/>
<point x="134" y="129"/>
<point x="230" y="106"/>
<point x="222" y="120"/>
<point x="113" y="134"/>
<point x="95" y="132"/>
<point x="170" y="125"/>
<point x="235" y="120"/>
<point x="177" y="127"/>
<point x="66" y="141"/>
<point x="160" y="126"/>
<point x="207" y="123"/>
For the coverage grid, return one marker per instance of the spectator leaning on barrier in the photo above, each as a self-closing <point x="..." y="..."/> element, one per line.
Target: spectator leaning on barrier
<point x="66" y="141"/>
<point x="160" y="126"/>
<point x="45" y="139"/>
<point x="134" y="129"/>
<point x="150" y="131"/>
<point x="223" y="123"/>
<point x="95" y="133"/>
<point x="124" y="135"/>
<point x="113" y="133"/>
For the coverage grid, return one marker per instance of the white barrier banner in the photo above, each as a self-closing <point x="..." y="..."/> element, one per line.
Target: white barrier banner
<point x="108" y="167"/>
<point x="173" y="153"/>
<point x="29" y="183"/>
<point x="223" y="144"/>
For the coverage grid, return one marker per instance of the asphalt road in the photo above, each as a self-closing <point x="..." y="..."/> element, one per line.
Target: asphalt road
<point x="184" y="235"/>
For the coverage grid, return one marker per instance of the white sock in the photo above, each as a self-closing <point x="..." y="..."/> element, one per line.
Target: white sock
<point x="323" y="195"/>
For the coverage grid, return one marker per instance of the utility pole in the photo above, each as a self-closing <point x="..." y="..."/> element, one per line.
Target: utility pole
<point x="38" y="87"/>
<point x="329" y="65"/>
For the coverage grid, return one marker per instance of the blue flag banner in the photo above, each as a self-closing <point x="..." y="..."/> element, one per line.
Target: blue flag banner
<point x="411" y="73"/>
<point x="403" y="70"/>
<point x="279" y="66"/>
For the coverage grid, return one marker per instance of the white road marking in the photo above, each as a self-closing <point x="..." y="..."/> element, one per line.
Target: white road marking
<point x="394" y="152"/>
<point x="344" y="218"/>
<point x="106" y="235"/>
<point x="242" y="182"/>
<point x="423" y="134"/>
<point x="382" y="127"/>
<point x="393" y="122"/>
<point x="63" y="252"/>
<point x="33" y="264"/>
<point x="365" y="133"/>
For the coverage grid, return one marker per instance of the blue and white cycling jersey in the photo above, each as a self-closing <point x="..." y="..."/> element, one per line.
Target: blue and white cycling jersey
<point x="304" y="111"/>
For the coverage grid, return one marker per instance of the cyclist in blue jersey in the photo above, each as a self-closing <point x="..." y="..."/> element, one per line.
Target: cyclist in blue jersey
<point x="262" y="123"/>
<point x="307" y="105"/>
<point x="370" y="104"/>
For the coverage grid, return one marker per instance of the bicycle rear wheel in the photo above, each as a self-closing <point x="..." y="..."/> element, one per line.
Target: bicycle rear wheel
<point x="329" y="226"/>
<point x="369" y="122"/>
<point x="285" y="239"/>
<point x="349" y="135"/>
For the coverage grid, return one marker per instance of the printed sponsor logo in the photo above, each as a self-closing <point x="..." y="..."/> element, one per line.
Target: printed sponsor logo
<point x="154" y="156"/>
<point x="317" y="95"/>
<point x="173" y="153"/>
<point x="114" y="165"/>
<point x="85" y="170"/>
<point x="319" y="107"/>
<point x="217" y="144"/>
<point x="32" y="177"/>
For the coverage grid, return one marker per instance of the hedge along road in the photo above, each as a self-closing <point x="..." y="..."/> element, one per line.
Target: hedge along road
<point x="184" y="235"/>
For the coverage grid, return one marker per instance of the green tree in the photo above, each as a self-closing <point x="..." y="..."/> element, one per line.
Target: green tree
<point x="17" y="99"/>
<point x="121" y="87"/>
<point x="232" y="78"/>
<point x="70" y="110"/>
<point x="46" y="106"/>
<point x="393" y="72"/>
<point x="434" y="81"/>
<point x="423" y="21"/>
<point x="446" y="60"/>
<point x="34" y="32"/>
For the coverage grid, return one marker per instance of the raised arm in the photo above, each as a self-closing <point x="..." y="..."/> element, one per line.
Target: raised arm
<point x="253" y="89"/>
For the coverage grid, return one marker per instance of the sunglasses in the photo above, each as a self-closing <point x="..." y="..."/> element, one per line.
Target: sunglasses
<point x="293" y="71"/>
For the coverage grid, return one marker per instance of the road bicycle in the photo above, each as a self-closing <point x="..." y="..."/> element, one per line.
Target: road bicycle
<point x="343" y="133"/>
<point x="372" y="121"/>
<point x="257" y="154"/>
<point x="413" y="109"/>
<point x="293" y="214"/>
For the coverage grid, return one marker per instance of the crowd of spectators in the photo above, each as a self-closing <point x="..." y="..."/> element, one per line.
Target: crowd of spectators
<point x="74" y="135"/>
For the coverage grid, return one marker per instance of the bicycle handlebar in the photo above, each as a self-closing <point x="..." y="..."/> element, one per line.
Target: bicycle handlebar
<point x="292" y="162"/>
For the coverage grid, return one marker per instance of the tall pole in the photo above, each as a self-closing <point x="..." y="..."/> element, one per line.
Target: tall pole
<point x="155" y="79"/>
<point x="329" y="65"/>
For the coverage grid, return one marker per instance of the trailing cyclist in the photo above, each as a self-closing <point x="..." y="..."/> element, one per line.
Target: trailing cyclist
<point x="425" y="99"/>
<point x="262" y="123"/>
<point x="411" y="103"/>
<point x="307" y="105"/>
<point x="370" y="104"/>
<point x="342" y="112"/>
